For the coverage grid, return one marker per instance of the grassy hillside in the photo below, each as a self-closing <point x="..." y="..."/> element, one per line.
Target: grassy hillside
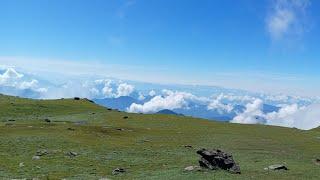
<point x="147" y="146"/>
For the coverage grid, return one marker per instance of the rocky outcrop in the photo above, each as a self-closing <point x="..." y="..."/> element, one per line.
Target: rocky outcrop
<point x="217" y="159"/>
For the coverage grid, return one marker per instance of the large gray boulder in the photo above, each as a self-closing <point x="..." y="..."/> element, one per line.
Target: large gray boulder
<point x="217" y="159"/>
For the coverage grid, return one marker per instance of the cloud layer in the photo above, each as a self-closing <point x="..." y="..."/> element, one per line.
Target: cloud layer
<point x="246" y="107"/>
<point x="305" y="117"/>
<point x="14" y="83"/>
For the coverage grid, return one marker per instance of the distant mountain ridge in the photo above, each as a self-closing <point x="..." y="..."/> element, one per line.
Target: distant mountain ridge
<point x="120" y="103"/>
<point x="168" y="112"/>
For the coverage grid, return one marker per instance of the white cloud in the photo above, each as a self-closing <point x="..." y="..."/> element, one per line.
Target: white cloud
<point x="107" y="91"/>
<point x="294" y="116"/>
<point x="288" y="116"/>
<point x="141" y="96"/>
<point x="152" y="93"/>
<point x="217" y="104"/>
<point x="124" y="89"/>
<point x="12" y="79"/>
<point x="29" y="85"/>
<point x="9" y="76"/>
<point x="286" y="18"/>
<point x="170" y="100"/>
<point x="94" y="92"/>
<point x="252" y="114"/>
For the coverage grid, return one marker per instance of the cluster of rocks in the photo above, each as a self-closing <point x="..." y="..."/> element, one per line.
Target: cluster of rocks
<point x="217" y="159"/>
<point x="39" y="153"/>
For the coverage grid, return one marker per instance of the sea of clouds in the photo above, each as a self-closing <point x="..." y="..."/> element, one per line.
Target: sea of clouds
<point x="294" y="111"/>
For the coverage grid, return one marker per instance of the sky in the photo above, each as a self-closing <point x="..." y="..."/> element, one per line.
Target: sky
<point x="266" y="45"/>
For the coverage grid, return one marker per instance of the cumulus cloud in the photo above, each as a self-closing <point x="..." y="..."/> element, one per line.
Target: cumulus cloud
<point x="287" y="18"/>
<point x="29" y="85"/>
<point x="9" y="75"/>
<point x="217" y="104"/>
<point x="107" y="91"/>
<point x="252" y="114"/>
<point x="294" y="116"/>
<point x="124" y="89"/>
<point x="169" y="100"/>
<point x="141" y="96"/>
<point x="13" y="82"/>
<point x="94" y="91"/>
<point x="152" y="93"/>
<point x="304" y="117"/>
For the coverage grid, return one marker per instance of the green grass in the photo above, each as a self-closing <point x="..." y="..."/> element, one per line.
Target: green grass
<point x="149" y="147"/>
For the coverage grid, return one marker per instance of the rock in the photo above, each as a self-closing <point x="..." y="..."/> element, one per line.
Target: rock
<point x="47" y="120"/>
<point x="71" y="129"/>
<point x="21" y="164"/>
<point x="217" y="159"/>
<point x="125" y="117"/>
<point x="276" y="167"/>
<point x="118" y="171"/>
<point x="76" y="98"/>
<point x="35" y="157"/>
<point x="317" y="161"/>
<point x="80" y="122"/>
<point x="42" y="152"/>
<point x="120" y="129"/>
<point x="192" y="168"/>
<point x="72" y="154"/>
<point x="188" y="146"/>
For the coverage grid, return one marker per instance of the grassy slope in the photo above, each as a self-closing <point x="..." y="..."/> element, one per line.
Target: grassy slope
<point x="150" y="147"/>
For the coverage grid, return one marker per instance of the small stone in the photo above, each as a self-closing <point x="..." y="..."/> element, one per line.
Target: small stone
<point x="192" y="168"/>
<point x="317" y="161"/>
<point x="72" y="154"/>
<point x="21" y="164"/>
<point x="35" y="157"/>
<point x="47" y="120"/>
<point x="118" y="171"/>
<point x="276" y="167"/>
<point x="188" y="146"/>
<point x="80" y="122"/>
<point x="42" y="152"/>
<point x="120" y="129"/>
<point x="71" y="129"/>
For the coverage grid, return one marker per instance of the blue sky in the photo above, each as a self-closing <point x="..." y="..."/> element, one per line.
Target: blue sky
<point x="267" y="45"/>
